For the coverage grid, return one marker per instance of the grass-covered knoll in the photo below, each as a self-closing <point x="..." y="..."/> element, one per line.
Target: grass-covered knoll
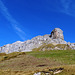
<point x="44" y="46"/>
<point x="4" y="56"/>
<point x="62" y="46"/>
<point x="51" y="47"/>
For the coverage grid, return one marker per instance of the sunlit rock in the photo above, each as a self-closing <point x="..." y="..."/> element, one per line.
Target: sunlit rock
<point x="56" y="37"/>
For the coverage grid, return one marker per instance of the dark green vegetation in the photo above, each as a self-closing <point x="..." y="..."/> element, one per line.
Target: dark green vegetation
<point x="26" y="63"/>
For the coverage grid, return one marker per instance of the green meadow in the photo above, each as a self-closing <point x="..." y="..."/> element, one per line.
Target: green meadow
<point x="21" y="63"/>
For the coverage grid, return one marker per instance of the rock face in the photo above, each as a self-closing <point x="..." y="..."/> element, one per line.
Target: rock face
<point x="72" y="45"/>
<point x="57" y="33"/>
<point x="56" y="37"/>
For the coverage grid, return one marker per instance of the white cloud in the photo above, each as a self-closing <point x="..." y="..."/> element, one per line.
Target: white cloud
<point x="68" y="7"/>
<point x="63" y="6"/>
<point x="15" y="25"/>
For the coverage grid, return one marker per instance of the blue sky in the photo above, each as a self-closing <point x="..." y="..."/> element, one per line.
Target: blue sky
<point x="21" y="20"/>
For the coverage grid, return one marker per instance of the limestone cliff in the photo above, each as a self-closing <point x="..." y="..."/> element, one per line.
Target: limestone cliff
<point x="56" y="37"/>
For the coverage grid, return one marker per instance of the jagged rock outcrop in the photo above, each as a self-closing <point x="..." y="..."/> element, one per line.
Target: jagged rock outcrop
<point x="72" y="45"/>
<point x="57" y="33"/>
<point x="55" y="38"/>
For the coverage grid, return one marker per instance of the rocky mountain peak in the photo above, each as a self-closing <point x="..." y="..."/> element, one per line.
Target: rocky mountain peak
<point x="57" y="33"/>
<point x="56" y="37"/>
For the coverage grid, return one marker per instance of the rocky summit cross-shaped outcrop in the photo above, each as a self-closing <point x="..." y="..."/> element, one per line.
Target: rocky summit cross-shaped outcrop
<point x="56" y="37"/>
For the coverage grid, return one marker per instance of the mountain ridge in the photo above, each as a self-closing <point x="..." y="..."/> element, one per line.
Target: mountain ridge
<point x="56" y="37"/>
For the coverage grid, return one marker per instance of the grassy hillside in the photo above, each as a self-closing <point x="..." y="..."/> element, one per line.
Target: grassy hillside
<point x="63" y="56"/>
<point x="30" y="62"/>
